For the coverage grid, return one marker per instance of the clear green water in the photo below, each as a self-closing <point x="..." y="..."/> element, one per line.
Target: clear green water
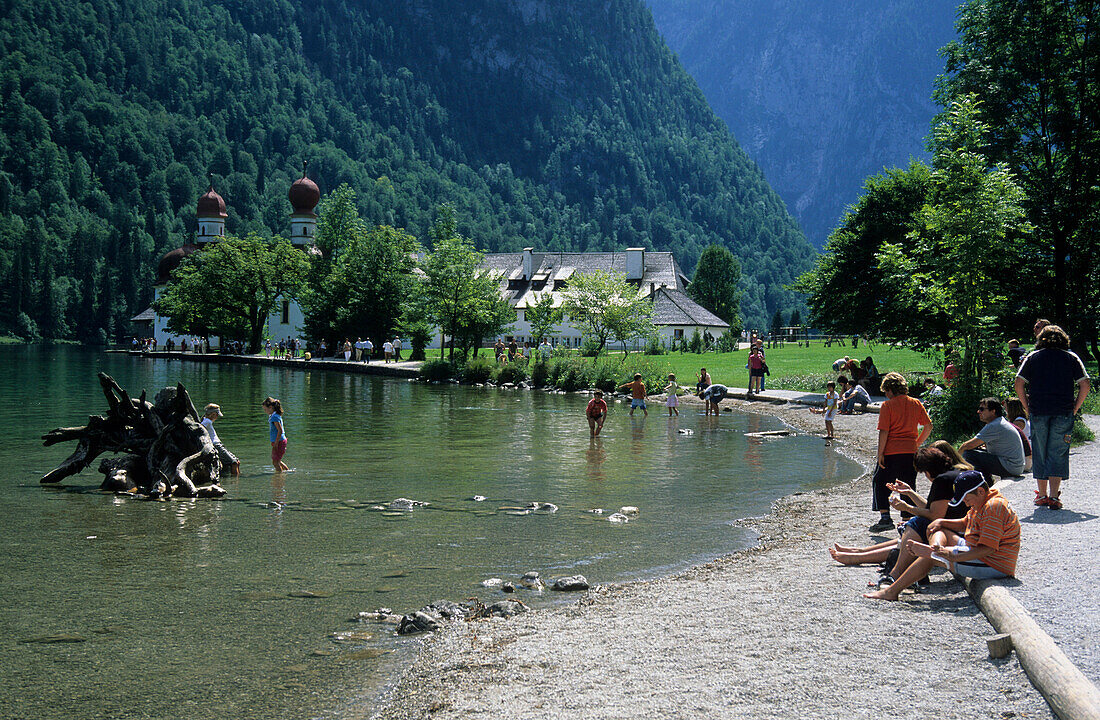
<point x="187" y="609"/>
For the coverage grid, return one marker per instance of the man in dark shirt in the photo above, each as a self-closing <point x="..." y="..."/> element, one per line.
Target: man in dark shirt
<point x="1016" y="353"/>
<point x="1052" y="384"/>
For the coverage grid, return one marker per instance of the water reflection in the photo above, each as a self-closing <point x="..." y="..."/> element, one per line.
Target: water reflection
<point x="595" y="457"/>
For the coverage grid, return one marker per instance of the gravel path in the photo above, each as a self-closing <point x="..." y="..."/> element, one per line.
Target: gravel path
<point x="777" y="631"/>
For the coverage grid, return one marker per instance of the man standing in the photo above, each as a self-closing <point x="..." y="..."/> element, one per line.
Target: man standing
<point x="397" y="348"/>
<point x="359" y="349"/>
<point x="368" y="350"/>
<point x="1052" y="385"/>
<point x="997" y="449"/>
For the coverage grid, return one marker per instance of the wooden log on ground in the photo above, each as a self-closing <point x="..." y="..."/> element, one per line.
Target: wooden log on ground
<point x="1070" y="694"/>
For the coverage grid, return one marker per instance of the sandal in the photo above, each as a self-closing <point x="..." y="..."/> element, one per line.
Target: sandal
<point x="1054" y="503"/>
<point x="884" y="580"/>
<point x="1041" y="500"/>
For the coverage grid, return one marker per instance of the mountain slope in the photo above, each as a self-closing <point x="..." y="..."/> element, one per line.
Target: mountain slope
<point x="564" y="126"/>
<point x="821" y="95"/>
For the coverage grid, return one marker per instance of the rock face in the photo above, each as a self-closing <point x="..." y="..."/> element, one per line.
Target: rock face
<point x="820" y="95"/>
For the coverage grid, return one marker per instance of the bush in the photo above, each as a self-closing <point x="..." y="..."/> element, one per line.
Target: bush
<point x="605" y="372"/>
<point x="437" y="370"/>
<point x="513" y="372"/>
<point x="477" y="370"/>
<point x="590" y="348"/>
<point x="654" y="372"/>
<point x="696" y="342"/>
<point x="540" y="374"/>
<point x="654" y="346"/>
<point x="728" y="341"/>
<point x="573" y="374"/>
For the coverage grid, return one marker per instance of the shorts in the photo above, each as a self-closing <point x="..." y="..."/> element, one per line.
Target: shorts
<point x="673" y="401"/>
<point x="975" y="569"/>
<point x="277" y="452"/>
<point x="756" y="372"/>
<point x="1050" y="438"/>
<point x="919" y="525"/>
<point x="637" y="403"/>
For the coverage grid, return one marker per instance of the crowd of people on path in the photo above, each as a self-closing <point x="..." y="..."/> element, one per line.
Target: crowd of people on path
<point x="964" y="524"/>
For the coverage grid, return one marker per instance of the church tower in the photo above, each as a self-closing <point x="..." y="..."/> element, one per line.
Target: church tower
<point x="304" y="196"/>
<point x="210" y="214"/>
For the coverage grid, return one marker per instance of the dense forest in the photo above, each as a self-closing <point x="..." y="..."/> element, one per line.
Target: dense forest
<point x="564" y="126"/>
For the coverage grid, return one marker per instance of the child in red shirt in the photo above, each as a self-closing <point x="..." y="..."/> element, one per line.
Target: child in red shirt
<point x="596" y="412"/>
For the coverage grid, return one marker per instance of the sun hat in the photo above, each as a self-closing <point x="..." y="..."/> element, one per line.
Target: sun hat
<point x="213" y="408"/>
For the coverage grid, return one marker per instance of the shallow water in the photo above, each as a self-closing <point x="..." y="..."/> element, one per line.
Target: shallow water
<point x="125" y="608"/>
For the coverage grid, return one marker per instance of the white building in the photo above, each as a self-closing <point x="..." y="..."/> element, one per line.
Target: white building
<point x="287" y="318"/>
<point x="525" y="277"/>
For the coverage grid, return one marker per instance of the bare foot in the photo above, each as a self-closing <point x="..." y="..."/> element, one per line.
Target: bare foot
<point x="845" y="558"/>
<point x="883" y="594"/>
<point x="919" y="549"/>
<point x="844" y="548"/>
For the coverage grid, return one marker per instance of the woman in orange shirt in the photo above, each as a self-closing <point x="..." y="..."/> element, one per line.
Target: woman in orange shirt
<point x="903" y="424"/>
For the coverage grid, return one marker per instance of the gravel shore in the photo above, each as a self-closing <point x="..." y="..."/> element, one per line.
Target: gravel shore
<point x="776" y="631"/>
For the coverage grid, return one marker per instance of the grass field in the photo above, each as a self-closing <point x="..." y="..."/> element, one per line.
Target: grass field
<point x="792" y="367"/>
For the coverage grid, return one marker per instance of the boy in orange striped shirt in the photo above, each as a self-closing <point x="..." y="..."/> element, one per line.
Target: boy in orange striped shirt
<point x="987" y="548"/>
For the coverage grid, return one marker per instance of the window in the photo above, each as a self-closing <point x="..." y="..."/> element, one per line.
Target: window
<point x="286" y="312"/>
<point x="679" y="334"/>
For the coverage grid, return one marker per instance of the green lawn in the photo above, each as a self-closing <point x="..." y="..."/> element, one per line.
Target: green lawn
<point x="791" y="367"/>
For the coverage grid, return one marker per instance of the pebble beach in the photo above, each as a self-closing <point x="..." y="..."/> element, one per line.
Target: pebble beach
<point x="775" y="631"/>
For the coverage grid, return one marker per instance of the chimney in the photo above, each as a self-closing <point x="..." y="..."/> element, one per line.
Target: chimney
<point x="528" y="261"/>
<point x="635" y="263"/>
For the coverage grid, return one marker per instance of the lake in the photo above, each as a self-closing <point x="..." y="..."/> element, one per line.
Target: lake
<point x="126" y="608"/>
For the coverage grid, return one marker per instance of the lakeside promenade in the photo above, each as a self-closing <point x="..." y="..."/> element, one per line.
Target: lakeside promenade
<point x="808" y="620"/>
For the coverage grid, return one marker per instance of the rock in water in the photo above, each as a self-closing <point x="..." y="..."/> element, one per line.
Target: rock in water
<point x="628" y="510"/>
<point x="406" y="504"/>
<point x="572" y="583"/>
<point x="618" y="518"/>
<point x="532" y="581"/>
<point x="417" y="622"/>
<point x="491" y="582"/>
<point x="543" y="507"/>
<point x="505" y="608"/>
<point x="508" y="587"/>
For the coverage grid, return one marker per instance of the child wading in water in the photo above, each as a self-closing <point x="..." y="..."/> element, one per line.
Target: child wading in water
<point x="673" y="401"/>
<point x="637" y="394"/>
<point x="274" y="410"/>
<point x="596" y="412"/>
<point x="831" y="400"/>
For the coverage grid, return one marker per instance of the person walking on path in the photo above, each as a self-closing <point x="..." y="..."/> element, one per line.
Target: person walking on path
<point x="347" y="350"/>
<point x="277" y="434"/>
<point x="387" y="350"/>
<point x="637" y="394"/>
<point x="596" y="412"/>
<point x="397" y="348"/>
<point x="368" y="350"/>
<point x="997" y="448"/>
<point x="1052" y="384"/>
<point x="903" y="424"/>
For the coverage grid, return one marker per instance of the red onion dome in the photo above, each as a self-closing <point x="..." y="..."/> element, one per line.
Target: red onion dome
<point x="304" y="195"/>
<point x="210" y="205"/>
<point x="171" y="260"/>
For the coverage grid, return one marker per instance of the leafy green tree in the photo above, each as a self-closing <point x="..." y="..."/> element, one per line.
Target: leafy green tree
<point x="543" y="317"/>
<point x="363" y="277"/>
<point x="777" y="323"/>
<point x="960" y="260"/>
<point x="846" y="293"/>
<point x="714" y="285"/>
<point x="605" y="305"/>
<point x="230" y="288"/>
<point x="1035" y="67"/>
<point x="462" y="300"/>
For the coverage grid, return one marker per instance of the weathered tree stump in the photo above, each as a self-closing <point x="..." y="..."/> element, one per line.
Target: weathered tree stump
<point x="167" y="451"/>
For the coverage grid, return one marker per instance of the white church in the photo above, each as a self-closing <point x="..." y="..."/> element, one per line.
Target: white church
<point x="287" y="318"/>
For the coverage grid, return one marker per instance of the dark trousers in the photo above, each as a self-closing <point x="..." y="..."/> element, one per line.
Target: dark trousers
<point x="898" y="467"/>
<point x="987" y="462"/>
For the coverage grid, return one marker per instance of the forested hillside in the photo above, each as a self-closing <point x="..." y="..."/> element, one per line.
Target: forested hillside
<point x="820" y="94"/>
<point x="565" y="125"/>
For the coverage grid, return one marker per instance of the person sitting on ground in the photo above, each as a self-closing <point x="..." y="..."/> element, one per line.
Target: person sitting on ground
<point x="941" y="472"/>
<point x="983" y="545"/>
<point x="841" y="364"/>
<point x="871" y="380"/>
<point x="704" y="380"/>
<point x="712" y="396"/>
<point x="931" y="391"/>
<point x="852" y="394"/>
<point x="903" y="426"/>
<point x="596" y="412"/>
<point x="996" y="449"/>
<point x="1014" y="410"/>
